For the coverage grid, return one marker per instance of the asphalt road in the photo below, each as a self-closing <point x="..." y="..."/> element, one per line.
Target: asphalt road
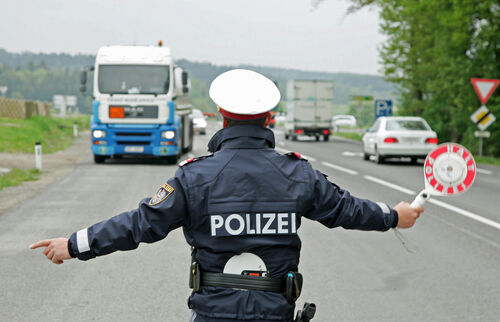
<point x="350" y="275"/>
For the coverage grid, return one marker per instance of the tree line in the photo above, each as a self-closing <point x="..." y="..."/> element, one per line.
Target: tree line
<point x="432" y="51"/>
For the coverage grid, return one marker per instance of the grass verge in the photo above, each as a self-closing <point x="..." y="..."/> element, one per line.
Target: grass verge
<point x="17" y="176"/>
<point x="487" y="160"/>
<point x="54" y="133"/>
<point x="349" y="135"/>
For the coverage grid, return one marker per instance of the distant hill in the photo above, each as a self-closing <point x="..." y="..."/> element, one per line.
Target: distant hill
<point x="24" y="59"/>
<point x="203" y="73"/>
<point x="345" y="86"/>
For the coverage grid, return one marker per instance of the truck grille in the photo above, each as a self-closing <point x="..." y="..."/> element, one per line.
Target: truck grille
<point x="133" y="134"/>
<point x="132" y="143"/>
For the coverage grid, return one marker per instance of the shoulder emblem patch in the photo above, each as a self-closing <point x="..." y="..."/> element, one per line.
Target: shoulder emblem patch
<point x="162" y="194"/>
<point x="183" y="163"/>
<point x="296" y="155"/>
<point x="187" y="161"/>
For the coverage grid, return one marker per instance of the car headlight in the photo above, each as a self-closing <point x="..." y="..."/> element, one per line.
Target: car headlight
<point x="168" y="134"/>
<point x="99" y="134"/>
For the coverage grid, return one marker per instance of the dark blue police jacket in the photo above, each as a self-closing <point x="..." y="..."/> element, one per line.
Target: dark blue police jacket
<point x="245" y="197"/>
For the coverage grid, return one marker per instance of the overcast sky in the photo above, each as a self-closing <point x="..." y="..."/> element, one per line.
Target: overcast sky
<point x="278" y="33"/>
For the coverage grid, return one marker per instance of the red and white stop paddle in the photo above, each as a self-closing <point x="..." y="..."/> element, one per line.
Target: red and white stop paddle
<point x="449" y="170"/>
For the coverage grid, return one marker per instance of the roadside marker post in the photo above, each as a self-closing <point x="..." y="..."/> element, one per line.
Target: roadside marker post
<point x="482" y="117"/>
<point x="75" y="129"/>
<point x="38" y="156"/>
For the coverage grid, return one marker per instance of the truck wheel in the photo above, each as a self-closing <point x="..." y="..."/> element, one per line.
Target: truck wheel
<point x="317" y="137"/>
<point x="326" y="138"/>
<point x="99" y="158"/>
<point x="287" y="136"/>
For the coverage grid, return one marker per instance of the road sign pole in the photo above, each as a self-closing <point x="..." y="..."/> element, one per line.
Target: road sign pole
<point x="481" y="146"/>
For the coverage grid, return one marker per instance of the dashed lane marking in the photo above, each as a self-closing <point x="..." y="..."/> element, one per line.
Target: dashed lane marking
<point x="466" y="213"/>
<point x="337" y="167"/>
<point x="483" y="171"/>
<point x="390" y="185"/>
<point x="352" y="154"/>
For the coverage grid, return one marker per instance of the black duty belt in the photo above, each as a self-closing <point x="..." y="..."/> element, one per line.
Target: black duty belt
<point x="246" y="282"/>
<point x="290" y="285"/>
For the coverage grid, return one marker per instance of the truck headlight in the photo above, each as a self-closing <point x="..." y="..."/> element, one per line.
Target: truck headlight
<point x="168" y="135"/>
<point x="99" y="134"/>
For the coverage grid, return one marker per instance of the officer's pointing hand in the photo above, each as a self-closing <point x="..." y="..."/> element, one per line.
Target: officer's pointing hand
<point x="407" y="215"/>
<point x="55" y="250"/>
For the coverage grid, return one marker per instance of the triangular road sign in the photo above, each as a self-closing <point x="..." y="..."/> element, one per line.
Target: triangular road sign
<point x="484" y="87"/>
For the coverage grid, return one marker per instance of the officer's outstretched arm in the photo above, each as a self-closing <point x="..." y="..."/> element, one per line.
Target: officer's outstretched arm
<point x="333" y="207"/>
<point x="151" y="221"/>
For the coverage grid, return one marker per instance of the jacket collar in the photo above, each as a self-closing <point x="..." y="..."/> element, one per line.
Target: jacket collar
<point x="244" y="136"/>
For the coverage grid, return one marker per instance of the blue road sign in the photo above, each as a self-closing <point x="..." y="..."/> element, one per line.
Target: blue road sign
<point x="383" y="108"/>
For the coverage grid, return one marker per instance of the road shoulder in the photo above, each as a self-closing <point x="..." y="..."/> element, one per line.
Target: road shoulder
<point x="56" y="166"/>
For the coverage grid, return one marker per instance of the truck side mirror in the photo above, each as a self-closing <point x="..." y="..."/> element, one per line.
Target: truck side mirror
<point x="83" y="81"/>
<point x="185" y="87"/>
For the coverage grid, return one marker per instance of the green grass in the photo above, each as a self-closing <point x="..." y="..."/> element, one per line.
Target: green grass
<point x="54" y="133"/>
<point x="487" y="160"/>
<point x="17" y="176"/>
<point x="349" y="135"/>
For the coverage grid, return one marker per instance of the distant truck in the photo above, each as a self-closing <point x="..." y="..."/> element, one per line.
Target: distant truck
<point x="309" y="108"/>
<point x="141" y="104"/>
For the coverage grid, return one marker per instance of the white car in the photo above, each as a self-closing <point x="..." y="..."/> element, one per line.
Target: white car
<point x="343" y="120"/>
<point x="399" y="136"/>
<point x="199" y="121"/>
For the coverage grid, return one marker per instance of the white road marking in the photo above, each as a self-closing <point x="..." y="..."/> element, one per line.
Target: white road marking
<point x="466" y="213"/>
<point x="352" y="154"/>
<point x="303" y="155"/>
<point x="337" y="167"/>
<point x="390" y="185"/>
<point x="308" y="158"/>
<point x="281" y="143"/>
<point x="483" y="171"/>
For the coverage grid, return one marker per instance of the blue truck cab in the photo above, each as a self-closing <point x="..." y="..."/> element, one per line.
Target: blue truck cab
<point x="141" y="104"/>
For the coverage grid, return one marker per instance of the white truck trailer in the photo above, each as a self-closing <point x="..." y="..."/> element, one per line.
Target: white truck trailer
<point x="141" y="104"/>
<point x="309" y="108"/>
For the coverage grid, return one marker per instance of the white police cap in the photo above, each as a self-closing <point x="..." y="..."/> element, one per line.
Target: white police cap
<point x="244" y="92"/>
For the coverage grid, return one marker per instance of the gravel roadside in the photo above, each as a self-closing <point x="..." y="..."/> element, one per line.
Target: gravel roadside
<point x="55" y="167"/>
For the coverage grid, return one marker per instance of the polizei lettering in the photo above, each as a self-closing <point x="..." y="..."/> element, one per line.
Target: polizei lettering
<point x="253" y="224"/>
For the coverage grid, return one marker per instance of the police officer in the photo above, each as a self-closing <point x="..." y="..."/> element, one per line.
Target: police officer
<point x="240" y="208"/>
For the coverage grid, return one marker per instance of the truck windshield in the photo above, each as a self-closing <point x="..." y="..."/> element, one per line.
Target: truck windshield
<point x="133" y="79"/>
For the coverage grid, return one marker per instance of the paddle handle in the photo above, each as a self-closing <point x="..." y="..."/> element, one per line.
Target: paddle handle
<point x="420" y="199"/>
